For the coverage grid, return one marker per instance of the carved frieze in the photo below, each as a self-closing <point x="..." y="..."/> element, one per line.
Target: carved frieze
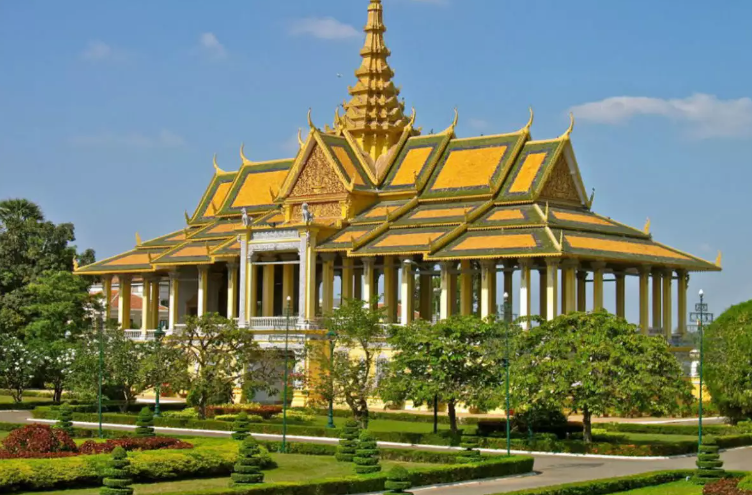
<point x="560" y="184"/>
<point x="317" y="177"/>
<point x="331" y="209"/>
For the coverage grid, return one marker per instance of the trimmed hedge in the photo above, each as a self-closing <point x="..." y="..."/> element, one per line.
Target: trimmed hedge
<point x="494" y="468"/>
<point x="210" y="457"/>
<point x="608" y="486"/>
<point x="670" y="429"/>
<point x="580" y="447"/>
<point x="395" y="416"/>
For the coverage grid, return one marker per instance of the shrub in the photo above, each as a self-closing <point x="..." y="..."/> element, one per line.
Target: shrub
<point x="145" y="423"/>
<point x="366" y="455"/>
<point x="65" y="419"/>
<point x="38" y="439"/>
<point x="709" y="463"/>
<point x="540" y="420"/>
<point x="348" y="441"/>
<point x="90" y="447"/>
<point x="252" y="418"/>
<point x="247" y="470"/>
<point x="728" y="486"/>
<point x="397" y="481"/>
<point x="265" y="412"/>
<point x="471" y="452"/>
<point x="187" y="413"/>
<point x="117" y="480"/>
<point x="240" y="427"/>
<point x="298" y="417"/>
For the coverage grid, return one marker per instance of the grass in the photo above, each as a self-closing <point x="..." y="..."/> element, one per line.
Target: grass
<point x="7" y="399"/>
<point x="652" y="437"/>
<point x="292" y="467"/>
<point x="3" y="434"/>
<point x="378" y="425"/>
<point x="675" y="488"/>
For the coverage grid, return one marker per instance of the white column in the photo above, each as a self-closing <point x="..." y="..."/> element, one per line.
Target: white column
<point x="525" y="290"/>
<point x="369" y="279"/>
<point x="447" y="289"/>
<point x="174" y="299"/>
<point x="243" y="282"/>
<point x="552" y="288"/>
<point x="407" y="291"/>
<point x="203" y="289"/>
<point x="232" y="289"/>
<point x="487" y="288"/>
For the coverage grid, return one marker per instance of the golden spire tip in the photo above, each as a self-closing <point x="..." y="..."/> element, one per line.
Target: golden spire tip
<point x="530" y="121"/>
<point x="571" y="127"/>
<point x="217" y="170"/>
<point x="310" y="120"/>
<point x="245" y="160"/>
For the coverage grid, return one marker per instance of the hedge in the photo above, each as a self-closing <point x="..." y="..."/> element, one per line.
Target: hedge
<point x="494" y="468"/>
<point x="210" y="457"/>
<point x="670" y="429"/>
<point x="395" y="416"/>
<point x="580" y="447"/>
<point x="608" y="486"/>
<point x="23" y="406"/>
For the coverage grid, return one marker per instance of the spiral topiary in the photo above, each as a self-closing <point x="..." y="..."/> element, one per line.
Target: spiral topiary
<point x="366" y="455"/>
<point x="65" y="419"/>
<point x="709" y="463"/>
<point x="397" y="481"/>
<point x="348" y="441"/>
<point x="247" y="468"/>
<point x="470" y="444"/>
<point x="241" y="426"/>
<point x="116" y="480"/>
<point x="145" y="423"/>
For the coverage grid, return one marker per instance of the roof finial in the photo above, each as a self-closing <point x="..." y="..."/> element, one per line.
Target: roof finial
<point x="217" y="170"/>
<point x="412" y="117"/>
<point x="300" y="138"/>
<point x="138" y="239"/>
<point x="646" y="228"/>
<point x="592" y="198"/>
<point x="529" y="122"/>
<point x="718" y="259"/>
<point x="571" y="127"/>
<point x="245" y="160"/>
<point x="187" y="217"/>
<point x="450" y="129"/>
<point x="310" y="121"/>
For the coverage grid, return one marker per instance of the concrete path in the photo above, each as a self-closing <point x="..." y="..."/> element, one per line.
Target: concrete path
<point x="551" y="469"/>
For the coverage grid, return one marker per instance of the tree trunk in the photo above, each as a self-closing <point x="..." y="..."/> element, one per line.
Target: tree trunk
<point x="57" y="394"/>
<point x="435" y="414"/>
<point x="587" y="426"/>
<point x="452" y="416"/>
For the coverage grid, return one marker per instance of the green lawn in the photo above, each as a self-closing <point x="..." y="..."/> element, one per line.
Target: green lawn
<point x="3" y="434"/>
<point x="292" y="467"/>
<point x="380" y="425"/>
<point x="675" y="488"/>
<point x="7" y="399"/>
<point x="660" y="438"/>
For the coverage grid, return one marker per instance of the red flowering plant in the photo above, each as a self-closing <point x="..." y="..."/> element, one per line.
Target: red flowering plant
<point x="129" y="444"/>
<point x="265" y="411"/>
<point x="38" y="439"/>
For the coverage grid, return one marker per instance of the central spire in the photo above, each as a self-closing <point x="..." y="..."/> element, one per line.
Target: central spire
<point x="374" y="115"/>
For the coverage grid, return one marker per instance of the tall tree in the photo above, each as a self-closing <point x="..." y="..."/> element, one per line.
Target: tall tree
<point x="351" y="378"/>
<point x="728" y="361"/>
<point x="459" y="360"/>
<point x="594" y="363"/>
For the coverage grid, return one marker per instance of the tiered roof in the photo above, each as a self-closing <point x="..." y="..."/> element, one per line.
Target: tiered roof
<point x="436" y="195"/>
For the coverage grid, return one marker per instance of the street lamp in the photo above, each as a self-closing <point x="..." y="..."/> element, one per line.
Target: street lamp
<point x="507" y="311"/>
<point x="284" y="393"/>
<point x="100" y="325"/>
<point x="158" y="336"/>
<point x="331" y="335"/>
<point x="701" y="309"/>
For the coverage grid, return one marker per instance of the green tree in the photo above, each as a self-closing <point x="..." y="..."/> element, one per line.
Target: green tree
<point x="594" y="363"/>
<point x="117" y="480"/>
<point x="445" y="360"/>
<point x="65" y="419"/>
<point x="145" y="423"/>
<point x="247" y="469"/>
<point x="18" y="364"/>
<point x="367" y="454"/>
<point x="350" y="379"/>
<point x="728" y="361"/>
<point x="221" y="355"/>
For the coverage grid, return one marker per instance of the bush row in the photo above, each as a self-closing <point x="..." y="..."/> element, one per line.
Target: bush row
<point x="78" y="432"/>
<point x="208" y="458"/>
<point x="608" y="486"/>
<point x="670" y="429"/>
<point x="394" y="416"/>
<point x="600" y="448"/>
<point x="494" y="468"/>
<point x="402" y="455"/>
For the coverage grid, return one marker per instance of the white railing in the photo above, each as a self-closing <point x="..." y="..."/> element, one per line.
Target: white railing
<point x="281" y="322"/>
<point x="138" y="335"/>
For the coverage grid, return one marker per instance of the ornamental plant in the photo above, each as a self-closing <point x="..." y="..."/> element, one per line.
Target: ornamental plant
<point x="247" y="469"/>
<point x="116" y="480"/>
<point x="397" y="481"/>
<point x="725" y="486"/>
<point x="145" y="423"/>
<point x="132" y="443"/>
<point x="65" y="419"/>
<point x="366" y="455"/>
<point x="348" y="441"/>
<point x="470" y="444"/>
<point x="37" y="439"/>
<point x="241" y="427"/>
<point x="709" y="463"/>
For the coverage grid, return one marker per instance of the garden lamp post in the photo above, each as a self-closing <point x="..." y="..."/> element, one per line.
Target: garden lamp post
<point x="701" y="309"/>
<point x="507" y="311"/>
<point x="100" y="330"/>
<point x="158" y="336"/>
<point x="331" y="335"/>
<point x="284" y="390"/>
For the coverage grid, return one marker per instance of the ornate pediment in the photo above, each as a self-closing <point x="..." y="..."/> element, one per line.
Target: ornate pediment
<point x="560" y="184"/>
<point x="317" y="177"/>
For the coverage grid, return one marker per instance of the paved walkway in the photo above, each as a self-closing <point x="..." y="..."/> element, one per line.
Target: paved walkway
<point x="550" y="469"/>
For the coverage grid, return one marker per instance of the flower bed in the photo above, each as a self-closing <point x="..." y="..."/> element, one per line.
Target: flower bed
<point x="91" y="447"/>
<point x="265" y="412"/>
<point x="608" y="486"/>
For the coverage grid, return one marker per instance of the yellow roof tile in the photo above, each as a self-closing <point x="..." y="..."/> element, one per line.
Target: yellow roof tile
<point x="582" y="242"/>
<point x="411" y="166"/>
<point x="469" y="167"/>
<point x="255" y="190"/>
<point x="501" y="241"/>
<point x="528" y="172"/>
<point x="578" y="217"/>
<point x="409" y="239"/>
<point x="507" y="215"/>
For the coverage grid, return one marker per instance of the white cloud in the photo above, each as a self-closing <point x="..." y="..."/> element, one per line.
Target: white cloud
<point x="211" y="46"/>
<point x="97" y="50"/>
<point x="478" y="124"/>
<point x="163" y="139"/>
<point x="325" y="28"/>
<point x="707" y="116"/>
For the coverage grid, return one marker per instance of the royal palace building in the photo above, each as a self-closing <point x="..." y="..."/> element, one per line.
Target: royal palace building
<point x="428" y="221"/>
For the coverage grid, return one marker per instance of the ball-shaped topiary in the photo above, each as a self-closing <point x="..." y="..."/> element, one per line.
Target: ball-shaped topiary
<point x="471" y="453"/>
<point x="348" y="441"/>
<point x="241" y="426"/>
<point x="145" y="423"/>
<point x="65" y="419"/>
<point x="247" y="468"/>
<point x="116" y="479"/>
<point x="709" y="463"/>
<point x="366" y="455"/>
<point x="397" y="481"/>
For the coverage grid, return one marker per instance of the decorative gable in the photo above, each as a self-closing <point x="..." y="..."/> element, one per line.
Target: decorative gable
<point x="317" y="177"/>
<point x="560" y="184"/>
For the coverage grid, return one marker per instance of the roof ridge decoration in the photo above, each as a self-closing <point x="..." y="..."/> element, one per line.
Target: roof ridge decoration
<point x="217" y="170"/>
<point x="138" y="239"/>
<point x="243" y="160"/>
<point x="718" y="259"/>
<point x="646" y="228"/>
<point x="375" y="115"/>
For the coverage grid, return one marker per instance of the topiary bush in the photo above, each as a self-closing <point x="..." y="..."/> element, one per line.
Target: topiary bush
<point x="240" y="427"/>
<point x="247" y="469"/>
<point x="145" y="423"/>
<point x="366" y="455"/>
<point x="397" y="481"/>
<point x="470" y="444"/>
<point x="348" y="442"/>
<point x="65" y="419"/>
<point x="116" y="477"/>
<point x="709" y="463"/>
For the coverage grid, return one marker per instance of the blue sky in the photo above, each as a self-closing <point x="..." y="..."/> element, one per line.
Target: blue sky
<point x="111" y="111"/>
